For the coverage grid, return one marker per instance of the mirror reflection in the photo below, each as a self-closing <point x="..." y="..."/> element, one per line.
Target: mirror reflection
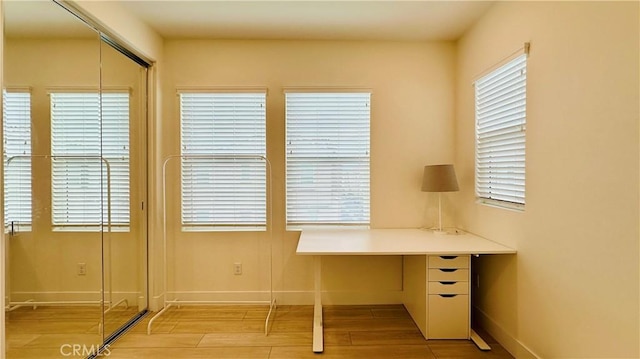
<point x="74" y="122"/>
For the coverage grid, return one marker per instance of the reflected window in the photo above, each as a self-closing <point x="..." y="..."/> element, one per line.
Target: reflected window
<point x="90" y="149"/>
<point x="16" y="123"/>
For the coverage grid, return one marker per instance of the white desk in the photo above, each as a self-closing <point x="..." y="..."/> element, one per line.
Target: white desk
<point x="385" y="242"/>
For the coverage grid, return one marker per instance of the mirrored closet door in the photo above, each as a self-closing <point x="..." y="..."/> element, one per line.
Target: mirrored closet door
<point x="123" y="88"/>
<point x="74" y="121"/>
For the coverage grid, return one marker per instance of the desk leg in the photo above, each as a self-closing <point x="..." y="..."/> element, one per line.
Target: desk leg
<point x="318" y="345"/>
<point x="482" y="345"/>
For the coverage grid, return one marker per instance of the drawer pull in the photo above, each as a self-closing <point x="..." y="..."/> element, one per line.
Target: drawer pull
<point x="448" y="270"/>
<point x="448" y="283"/>
<point x="447" y="295"/>
<point x="448" y="257"/>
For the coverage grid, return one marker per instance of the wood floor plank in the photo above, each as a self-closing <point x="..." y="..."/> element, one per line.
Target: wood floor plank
<point x="35" y="353"/>
<point x="156" y="328"/>
<point x="257" y="314"/>
<point x="191" y="353"/>
<point x="390" y="313"/>
<point x="256" y="339"/>
<point x="463" y="349"/>
<point x="138" y="340"/>
<point x="353" y="313"/>
<point x="57" y="340"/>
<point x="49" y="327"/>
<point x="219" y="326"/>
<point x="17" y="340"/>
<point x="304" y="312"/>
<point x="337" y="338"/>
<point x="288" y="326"/>
<point x="388" y="337"/>
<point x="367" y="324"/>
<point x="355" y="352"/>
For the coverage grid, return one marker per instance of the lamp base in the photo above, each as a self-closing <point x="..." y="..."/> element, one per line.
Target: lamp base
<point x="443" y="231"/>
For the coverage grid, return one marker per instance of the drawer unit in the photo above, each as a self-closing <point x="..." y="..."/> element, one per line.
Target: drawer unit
<point x="448" y="306"/>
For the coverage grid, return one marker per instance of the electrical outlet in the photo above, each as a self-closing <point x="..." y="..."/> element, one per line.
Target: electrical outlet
<point x="237" y="268"/>
<point x="82" y="269"/>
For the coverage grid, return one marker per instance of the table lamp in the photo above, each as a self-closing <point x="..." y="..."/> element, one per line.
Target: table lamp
<point x="439" y="178"/>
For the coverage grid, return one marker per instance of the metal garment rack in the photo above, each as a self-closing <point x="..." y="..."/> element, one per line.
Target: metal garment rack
<point x="169" y="303"/>
<point x="13" y="305"/>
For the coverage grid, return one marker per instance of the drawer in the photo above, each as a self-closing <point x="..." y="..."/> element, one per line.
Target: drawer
<point x="445" y="287"/>
<point x="448" y="275"/>
<point x="448" y="317"/>
<point x="449" y="261"/>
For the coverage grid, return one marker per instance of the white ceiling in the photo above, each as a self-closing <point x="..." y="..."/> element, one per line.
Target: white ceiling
<point x="304" y="19"/>
<point x="264" y="19"/>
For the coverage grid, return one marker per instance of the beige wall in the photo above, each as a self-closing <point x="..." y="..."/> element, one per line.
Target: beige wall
<point x="411" y="125"/>
<point x="572" y="289"/>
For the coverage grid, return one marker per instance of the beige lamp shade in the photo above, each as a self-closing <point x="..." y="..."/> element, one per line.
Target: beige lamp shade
<point x="439" y="178"/>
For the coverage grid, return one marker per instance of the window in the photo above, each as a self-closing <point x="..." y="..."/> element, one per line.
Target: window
<point x="327" y="158"/>
<point x="85" y="126"/>
<point x="500" y="134"/>
<point x="17" y="149"/>
<point x="223" y="183"/>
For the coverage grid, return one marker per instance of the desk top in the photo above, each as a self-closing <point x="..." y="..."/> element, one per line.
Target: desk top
<point x="394" y="242"/>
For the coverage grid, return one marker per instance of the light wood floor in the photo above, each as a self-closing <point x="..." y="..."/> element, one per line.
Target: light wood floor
<point x="369" y="332"/>
<point x="40" y="332"/>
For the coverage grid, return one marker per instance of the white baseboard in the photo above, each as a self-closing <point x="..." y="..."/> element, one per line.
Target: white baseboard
<point x="69" y="296"/>
<point x="283" y="297"/>
<point x="220" y="296"/>
<point x="339" y="297"/>
<point x="506" y="339"/>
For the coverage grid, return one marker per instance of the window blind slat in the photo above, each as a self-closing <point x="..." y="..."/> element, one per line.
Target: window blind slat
<point x="500" y="110"/>
<point x="327" y="158"/>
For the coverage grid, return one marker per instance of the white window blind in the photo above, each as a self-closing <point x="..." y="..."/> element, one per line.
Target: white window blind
<point x="17" y="148"/>
<point x="224" y="182"/>
<point x="500" y="106"/>
<point x="327" y="158"/>
<point x="90" y="125"/>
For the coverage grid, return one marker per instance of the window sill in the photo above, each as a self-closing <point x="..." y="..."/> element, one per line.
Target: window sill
<point x="223" y="229"/>
<point x="24" y="228"/>
<point x="120" y="229"/>
<point x="516" y="207"/>
<point x="337" y="227"/>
